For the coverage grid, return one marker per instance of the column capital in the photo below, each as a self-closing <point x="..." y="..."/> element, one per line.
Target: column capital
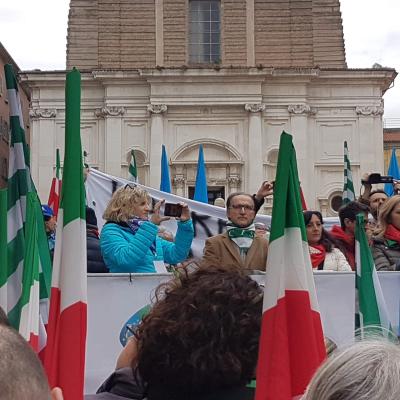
<point x="157" y="108"/>
<point x="301" y="109"/>
<point x="179" y="181"/>
<point x="254" y="107"/>
<point x="109" y="112"/>
<point x="36" y="113"/>
<point x="370" y="110"/>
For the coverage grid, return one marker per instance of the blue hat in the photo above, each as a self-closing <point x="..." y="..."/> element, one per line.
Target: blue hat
<point x="47" y="211"/>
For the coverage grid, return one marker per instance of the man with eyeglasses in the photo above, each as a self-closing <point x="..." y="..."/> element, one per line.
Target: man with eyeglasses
<point x="239" y="246"/>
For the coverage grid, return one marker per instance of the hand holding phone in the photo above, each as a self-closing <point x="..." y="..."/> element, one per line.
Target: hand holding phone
<point x="172" y="210"/>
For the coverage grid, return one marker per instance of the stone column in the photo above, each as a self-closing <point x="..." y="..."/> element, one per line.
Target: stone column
<point x="112" y="137"/>
<point x="43" y="148"/>
<point x="299" y="114"/>
<point x="255" y="163"/>
<point x="156" y="141"/>
<point x="369" y="132"/>
<point x="179" y="183"/>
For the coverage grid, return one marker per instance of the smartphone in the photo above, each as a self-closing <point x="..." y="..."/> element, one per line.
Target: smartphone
<point x="172" y="210"/>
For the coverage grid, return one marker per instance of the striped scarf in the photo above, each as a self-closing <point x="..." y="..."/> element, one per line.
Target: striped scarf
<point x="242" y="237"/>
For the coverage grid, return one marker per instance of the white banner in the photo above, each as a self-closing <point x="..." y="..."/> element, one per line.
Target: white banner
<point x="126" y="295"/>
<point x="208" y="220"/>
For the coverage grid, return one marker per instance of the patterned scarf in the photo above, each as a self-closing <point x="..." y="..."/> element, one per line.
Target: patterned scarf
<point x="242" y="237"/>
<point x="134" y="225"/>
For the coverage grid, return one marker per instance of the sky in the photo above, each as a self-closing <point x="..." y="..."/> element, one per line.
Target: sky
<point x="34" y="33"/>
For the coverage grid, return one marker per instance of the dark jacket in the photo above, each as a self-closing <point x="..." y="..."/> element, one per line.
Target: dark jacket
<point x="120" y="385"/>
<point x="95" y="261"/>
<point x="386" y="254"/>
<point x="236" y="393"/>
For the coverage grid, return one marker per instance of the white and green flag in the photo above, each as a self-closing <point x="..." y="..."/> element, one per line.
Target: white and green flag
<point x="372" y="312"/>
<point x="133" y="168"/>
<point x="13" y="275"/>
<point x="348" y="188"/>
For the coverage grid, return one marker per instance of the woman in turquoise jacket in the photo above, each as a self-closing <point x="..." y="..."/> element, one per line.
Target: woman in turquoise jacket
<point x="129" y="240"/>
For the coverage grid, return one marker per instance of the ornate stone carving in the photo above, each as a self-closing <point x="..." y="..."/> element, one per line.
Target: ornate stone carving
<point x="254" y="107"/>
<point x="233" y="180"/>
<point x="109" y="112"/>
<point x="370" y="110"/>
<point x="36" y="113"/>
<point x="157" y="108"/>
<point x="179" y="181"/>
<point x="301" y="109"/>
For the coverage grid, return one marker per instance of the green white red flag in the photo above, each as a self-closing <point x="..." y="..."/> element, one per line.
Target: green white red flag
<point x="55" y="189"/>
<point x="372" y="315"/>
<point x="291" y="342"/>
<point x="66" y="342"/>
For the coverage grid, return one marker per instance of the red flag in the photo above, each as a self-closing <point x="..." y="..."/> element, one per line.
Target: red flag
<point x="66" y="341"/>
<point x="55" y="190"/>
<point x="291" y="342"/>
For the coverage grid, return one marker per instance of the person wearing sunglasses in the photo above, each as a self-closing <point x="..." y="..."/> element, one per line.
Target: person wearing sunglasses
<point x="129" y="240"/>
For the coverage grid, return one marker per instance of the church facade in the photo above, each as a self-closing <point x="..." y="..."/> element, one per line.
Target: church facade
<point x="228" y="74"/>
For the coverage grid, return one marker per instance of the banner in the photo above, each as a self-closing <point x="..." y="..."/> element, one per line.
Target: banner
<point x="128" y="294"/>
<point x="208" y="220"/>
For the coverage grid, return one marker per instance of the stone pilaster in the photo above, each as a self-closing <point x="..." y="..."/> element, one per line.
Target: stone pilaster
<point x="157" y="112"/>
<point x="255" y="162"/>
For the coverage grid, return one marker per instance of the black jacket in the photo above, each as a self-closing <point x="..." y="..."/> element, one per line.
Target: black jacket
<point x="95" y="261"/>
<point x="121" y="384"/>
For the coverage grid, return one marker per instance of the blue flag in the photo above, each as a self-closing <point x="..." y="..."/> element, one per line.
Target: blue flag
<point x="392" y="171"/>
<point x="165" y="184"/>
<point x="200" y="190"/>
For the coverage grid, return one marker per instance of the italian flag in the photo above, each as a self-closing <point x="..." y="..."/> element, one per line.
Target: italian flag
<point x="291" y="342"/>
<point x="66" y="343"/>
<point x="372" y="313"/>
<point x="55" y="189"/>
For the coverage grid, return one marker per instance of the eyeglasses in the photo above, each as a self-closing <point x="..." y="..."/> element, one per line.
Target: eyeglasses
<point x="245" y="207"/>
<point x="130" y="186"/>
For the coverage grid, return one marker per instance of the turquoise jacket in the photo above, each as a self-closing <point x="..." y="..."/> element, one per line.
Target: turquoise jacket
<point x="124" y="251"/>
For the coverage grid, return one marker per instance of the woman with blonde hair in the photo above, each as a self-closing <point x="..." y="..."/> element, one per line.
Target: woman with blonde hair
<point x="386" y="240"/>
<point x="129" y="239"/>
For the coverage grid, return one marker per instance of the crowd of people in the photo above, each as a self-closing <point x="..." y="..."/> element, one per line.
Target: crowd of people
<point x="200" y="339"/>
<point x="134" y="240"/>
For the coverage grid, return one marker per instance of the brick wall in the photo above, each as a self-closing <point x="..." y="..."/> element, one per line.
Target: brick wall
<point x="287" y="33"/>
<point x="175" y="28"/>
<point x="82" y="43"/>
<point x="234" y="42"/>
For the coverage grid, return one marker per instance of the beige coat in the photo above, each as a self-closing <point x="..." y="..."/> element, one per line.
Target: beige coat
<point x="221" y="250"/>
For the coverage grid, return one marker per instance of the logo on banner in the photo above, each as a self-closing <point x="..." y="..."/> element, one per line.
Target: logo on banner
<point x="132" y="324"/>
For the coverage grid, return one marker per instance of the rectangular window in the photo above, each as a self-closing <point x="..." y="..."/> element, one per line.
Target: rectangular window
<point x="204" y="31"/>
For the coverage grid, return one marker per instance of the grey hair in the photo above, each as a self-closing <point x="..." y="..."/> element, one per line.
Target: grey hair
<point x="367" y="370"/>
